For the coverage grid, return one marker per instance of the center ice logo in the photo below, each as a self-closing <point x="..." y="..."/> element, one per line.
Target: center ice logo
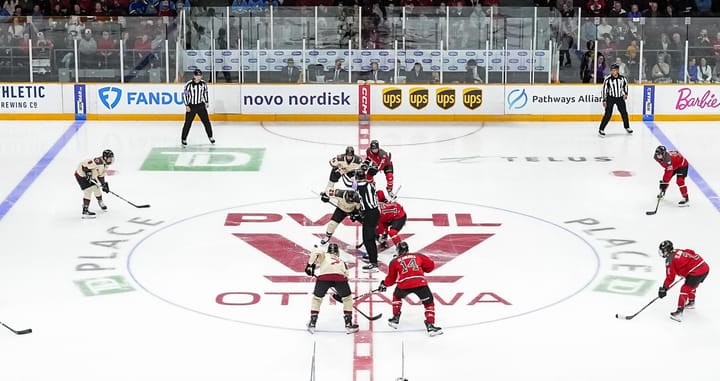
<point x="106" y="93"/>
<point x="245" y="263"/>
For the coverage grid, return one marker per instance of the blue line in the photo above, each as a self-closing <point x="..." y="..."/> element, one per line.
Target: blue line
<point x="35" y="172"/>
<point x="692" y="172"/>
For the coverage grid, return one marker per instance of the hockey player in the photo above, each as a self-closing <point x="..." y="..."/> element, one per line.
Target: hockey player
<point x="344" y="166"/>
<point x="347" y="203"/>
<point x="685" y="263"/>
<point x="392" y="219"/>
<point x="91" y="173"/>
<point x="380" y="160"/>
<point x="329" y="271"/>
<point x="370" y="217"/>
<point x="674" y="164"/>
<point x="408" y="271"/>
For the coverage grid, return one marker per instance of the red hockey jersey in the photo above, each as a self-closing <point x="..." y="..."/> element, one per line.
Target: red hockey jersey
<point x="683" y="262"/>
<point x="408" y="271"/>
<point x="671" y="161"/>
<point x="390" y="211"/>
<point x="382" y="159"/>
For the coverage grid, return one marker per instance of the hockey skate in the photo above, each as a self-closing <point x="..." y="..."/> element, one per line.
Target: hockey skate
<point x="382" y="241"/>
<point x="312" y="323"/>
<point x="677" y="315"/>
<point x="349" y="326"/>
<point x="212" y="140"/>
<point x="365" y="258"/>
<point x="87" y="214"/>
<point x="183" y="143"/>
<point x="685" y="202"/>
<point x="394" y="321"/>
<point x="370" y="268"/>
<point x="690" y="305"/>
<point x="325" y="240"/>
<point x="102" y="205"/>
<point x="432" y="330"/>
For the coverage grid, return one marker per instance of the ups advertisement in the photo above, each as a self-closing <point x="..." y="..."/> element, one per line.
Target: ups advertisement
<point x="434" y="99"/>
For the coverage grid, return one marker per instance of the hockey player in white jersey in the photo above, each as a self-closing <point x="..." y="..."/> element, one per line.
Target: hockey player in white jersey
<point x="329" y="271"/>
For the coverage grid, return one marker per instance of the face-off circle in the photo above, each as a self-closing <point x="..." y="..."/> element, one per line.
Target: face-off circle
<point x="245" y="263"/>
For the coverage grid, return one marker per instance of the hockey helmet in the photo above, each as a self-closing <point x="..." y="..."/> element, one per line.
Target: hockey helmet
<point x="361" y="173"/>
<point x="108" y="154"/>
<point x="402" y="248"/>
<point x="665" y="248"/>
<point x="374" y="144"/>
<point x="660" y="151"/>
<point x="349" y="151"/>
<point x="381" y="196"/>
<point x="333" y="249"/>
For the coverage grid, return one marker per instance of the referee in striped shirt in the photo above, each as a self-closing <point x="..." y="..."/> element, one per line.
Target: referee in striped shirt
<point x="370" y="216"/>
<point x="615" y="92"/>
<point x="196" y="103"/>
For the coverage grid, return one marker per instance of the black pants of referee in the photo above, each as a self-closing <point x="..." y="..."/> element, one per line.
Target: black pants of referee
<point x="201" y="111"/>
<point x="370" y="221"/>
<point x="622" y="108"/>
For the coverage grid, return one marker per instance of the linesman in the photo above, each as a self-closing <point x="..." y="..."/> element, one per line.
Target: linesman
<point x="196" y="103"/>
<point x="615" y="92"/>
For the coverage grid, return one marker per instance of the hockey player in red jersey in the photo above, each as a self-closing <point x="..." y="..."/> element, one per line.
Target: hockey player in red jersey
<point x="685" y="263"/>
<point x="407" y="270"/>
<point x="392" y="219"/>
<point x="380" y="160"/>
<point x="674" y="164"/>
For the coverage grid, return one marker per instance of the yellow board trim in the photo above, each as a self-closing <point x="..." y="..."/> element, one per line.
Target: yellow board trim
<point x="354" y="118"/>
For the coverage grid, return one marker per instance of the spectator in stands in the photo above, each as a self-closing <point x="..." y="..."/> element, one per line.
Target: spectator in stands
<point x="26" y="5"/>
<point x="472" y="72"/>
<point x="588" y="32"/>
<point x="137" y="8"/>
<point x="617" y="10"/>
<point x="289" y="73"/>
<point x="596" y="8"/>
<point x="704" y="71"/>
<point x="106" y="48"/>
<point x="316" y="73"/>
<point x="4" y="15"/>
<point x="77" y="11"/>
<point x="716" y="46"/>
<point x="604" y="28"/>
<point x="607" y="47"/>
<point x="116" y="9"/>
<point x="716" y="71"/>
<point x="337" y="74"/>
<point x="36" y="11"/>
<point x="24" y="43"/>
<point x="652" y="10"/>
<point x="692" y="71"/>
<point x="704" y="7"/>
<point x="142" y="46"/>
<point x="16" y="29"/>
<point x="702" y="47"/>
<point x="601" y="69"/>
<point x="661" y="70"/>
<point x="676" y="50"/>
<point x="165" y="9"/>
<point x="87" y="48"/>
<point x="634" y="12"/>
<point x="43" y="43"/>
<point x="98" y="10"/>
<point x="18" y="11"/>
<point x="564" y="44"/>
<point x="622" y="34"/>
<point x="670" y="11"/>
<point x="417" y="75"/>
<point x="87" y="6"/>
<point x="566" y="10"/>
<point x="375" y="74"/>
<point x="152" y="7"/>
<point x="622" y="68"/>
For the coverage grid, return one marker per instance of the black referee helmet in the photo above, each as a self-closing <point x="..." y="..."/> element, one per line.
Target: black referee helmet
<point x="197" y="72"/>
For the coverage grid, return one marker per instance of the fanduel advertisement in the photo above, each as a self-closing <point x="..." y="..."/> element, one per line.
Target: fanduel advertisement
<point x="139" y="99"/>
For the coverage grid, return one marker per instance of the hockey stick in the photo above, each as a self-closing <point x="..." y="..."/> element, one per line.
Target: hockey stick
<point x="366" y="316"/>
<point x="628" y="317"/>
<point x="23" y="332"/>
<point x="120" y="197"/>
<point x="312" y="366"/>
<point x="339" y="299"/>
<point x="651" y="212"/>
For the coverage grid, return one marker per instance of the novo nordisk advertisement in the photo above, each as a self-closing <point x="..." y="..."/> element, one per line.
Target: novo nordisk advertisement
<point x="139" y="99"/>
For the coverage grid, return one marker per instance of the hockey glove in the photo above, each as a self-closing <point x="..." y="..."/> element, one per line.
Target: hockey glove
<point x="662" y="292"/>
<point x="367" y="162"/>
<point x="337" y="298"/>
<point x="382" y="287"/>
<point x="310" y="269"/>
<point x="106" y="187"/>
<point x="663" y="186"/>
<point x="324" y="197"/>
<point x="372" y="170"/>
<point x="356" y="216"/>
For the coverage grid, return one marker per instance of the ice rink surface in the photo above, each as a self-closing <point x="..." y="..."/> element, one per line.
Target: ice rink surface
<point x="539" y="230"/>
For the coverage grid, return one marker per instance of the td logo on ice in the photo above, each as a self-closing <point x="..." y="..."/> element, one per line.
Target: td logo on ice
<point x="110" y="96"/>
